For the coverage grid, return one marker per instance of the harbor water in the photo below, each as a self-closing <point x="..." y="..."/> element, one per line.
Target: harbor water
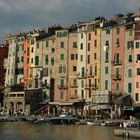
<point x="30" y="131"/>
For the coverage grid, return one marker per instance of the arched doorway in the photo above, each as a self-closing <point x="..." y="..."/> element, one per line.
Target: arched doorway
<point x="19" y="107"/>
<point x="11" y="108"/>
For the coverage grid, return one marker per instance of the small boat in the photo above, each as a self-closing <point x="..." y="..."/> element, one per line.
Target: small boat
<point x="95" y="122"/>
<point x="64" y="118"/>
<point x="112" y="123"/>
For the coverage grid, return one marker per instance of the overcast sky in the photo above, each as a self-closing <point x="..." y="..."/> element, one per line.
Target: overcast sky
<point x="24" y="15"/>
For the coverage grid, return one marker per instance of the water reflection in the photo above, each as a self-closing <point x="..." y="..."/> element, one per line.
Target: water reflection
<point x="28" y="131"/>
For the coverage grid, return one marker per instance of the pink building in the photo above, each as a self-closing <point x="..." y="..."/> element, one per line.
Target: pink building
<point x="90" y="65"/>
<point x="118" y="47"/>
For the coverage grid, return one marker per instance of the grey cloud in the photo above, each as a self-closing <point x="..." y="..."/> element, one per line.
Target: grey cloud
<point x="20" y="15"/>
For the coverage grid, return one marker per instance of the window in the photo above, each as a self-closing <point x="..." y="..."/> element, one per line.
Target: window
<point x="82" y="84"/>
<point x="74" y="44"/>
<point x="36" y="60"/>
<point x="106" y="84"/>
<point x="129" y="72"/>
<point x="32" y="49"/>
<point x="62" y="82"/>
<point x="81" y="57"/>
<point x="28" y="60"/>
<point x="18" y="59"/>
<point x="95" y="56"/>
<point x="82" y="94"/>
<point x="89" y="95"/>
<point x="95" y="70"/>
<point x="117" y="42"/>
<point x="74" y="82"/>
<point x="52" y="61"/>
<point x="90" y="70"/>
<point x="137" y="84"/>
<point x="130" y="58"/>
<point x="37" y="44"/>
<point x="129" y="87"/>
<point x="117" y="31"/>
<point x="46" y="59"/>
<point x="75" y="93"/>
<point x="81" y="35"/>
<point x="137" y="96"/>
<point x="76" y="56"/>
<point x="95" y="43"/>
<point x="88" y="59"/>
<point x="130" y="32"/>
<point x="62" y="45"/>
<point x="62" y="34"/>
<point x="74" y="68"/>
<point x="88" y="46"/>
<point x="32" y="60"/>
<point x="22" y="59"/>
<point x="137" y="45"/>
<point x="72" y="56"/>
<point x="81" y="46"/>
<point x="89" y="36"/>
<point x="89" y="82"/>
<point x="117" y="86"/>
<point x="61" y="95"/>
<point x="28" y="50"/>
<point x="95" y="32"/>
<point x="106" y="56"/>
<point x="47" y="44"/>
<point x="107" y="43"/>
<point x="138" y="71"/>
<point x="53" y="50"/>
<point x="106" y="70"/>
<point x="138" y="57"/>
<point x="62" y="56"/>
<point x="83" y="72"/>
<point x="129" y="44"/>
<point x="60" y="69"/>
<point x="108" y="31"/>
<point x="32" y="41"/>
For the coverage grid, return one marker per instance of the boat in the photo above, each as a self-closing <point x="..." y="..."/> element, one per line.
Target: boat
<point x="95" y="122"/>
<point x="64" y="118"/>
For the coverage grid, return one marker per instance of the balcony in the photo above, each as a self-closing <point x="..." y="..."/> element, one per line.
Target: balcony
<point x="80" y="76"/>
<point x="73" y="96"/>
<point x="106" y="61"/>
<point x="90" y="86"/>
<point x="117" y="77"/>
<point x="62" y="87"/>
<point x="89" y="75"/>
<point x="137" y="61"/>
<point x="117" y="62"/>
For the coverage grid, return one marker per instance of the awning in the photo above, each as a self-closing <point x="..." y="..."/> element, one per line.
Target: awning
<point x="61" y="103"/>
<point x="66" y="103"/>
<point x="120" y="100"/>
<point x="100" y="107"/>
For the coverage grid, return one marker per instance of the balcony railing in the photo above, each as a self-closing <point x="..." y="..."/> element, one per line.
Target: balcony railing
<point x="73" y="96"/>
<point x="117" y="77"/>
<point x="62" y="86"/>
<point x="117" y="62"/>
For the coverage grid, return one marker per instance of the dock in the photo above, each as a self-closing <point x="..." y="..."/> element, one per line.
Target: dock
<point x="129" y="133"/>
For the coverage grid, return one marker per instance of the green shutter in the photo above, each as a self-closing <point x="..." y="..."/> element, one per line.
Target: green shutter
<point x="46" y="59"/>
<point x="62" y="44"/>
<point x="83" y="72"/>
